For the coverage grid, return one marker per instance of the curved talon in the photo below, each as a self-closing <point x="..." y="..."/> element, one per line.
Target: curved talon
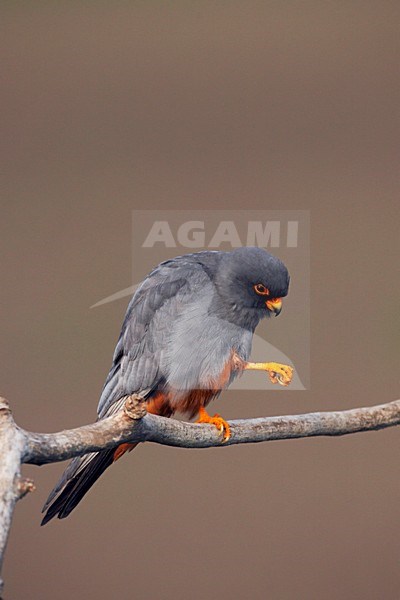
<point x="283" y="378"/>
<point x="273" y="377"/>
<point x="217" y="421"/>
<point x="277" y="373"/>
<point x="281" y="381"/>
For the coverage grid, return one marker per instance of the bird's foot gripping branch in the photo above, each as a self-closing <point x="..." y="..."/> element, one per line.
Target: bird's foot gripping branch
<point x="216" y="420"/>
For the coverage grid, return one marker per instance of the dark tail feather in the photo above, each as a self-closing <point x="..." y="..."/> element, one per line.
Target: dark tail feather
<point x="76" y="487"/>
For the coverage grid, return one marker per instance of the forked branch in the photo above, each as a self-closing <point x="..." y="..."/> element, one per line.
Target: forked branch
<point x="134" y="424"/>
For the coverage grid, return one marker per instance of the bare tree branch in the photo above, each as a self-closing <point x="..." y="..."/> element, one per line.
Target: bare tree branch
<point x="134" y="424"/>
<point x="11" y="447"/>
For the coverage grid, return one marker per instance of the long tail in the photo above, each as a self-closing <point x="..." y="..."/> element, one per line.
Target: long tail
<point x="77" y="480"/>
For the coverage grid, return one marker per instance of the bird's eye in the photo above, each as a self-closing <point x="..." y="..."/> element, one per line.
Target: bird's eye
<point x="261" y="289"/>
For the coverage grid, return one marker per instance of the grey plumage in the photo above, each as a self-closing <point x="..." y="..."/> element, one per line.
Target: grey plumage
<point x="178" y="334"/>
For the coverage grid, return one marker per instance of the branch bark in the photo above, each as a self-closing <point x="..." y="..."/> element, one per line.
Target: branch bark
<point x="11" y="448"/>
<point x="134" y="424"/>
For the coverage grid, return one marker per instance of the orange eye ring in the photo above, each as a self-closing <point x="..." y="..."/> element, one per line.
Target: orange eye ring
<point x="261" y="290"/>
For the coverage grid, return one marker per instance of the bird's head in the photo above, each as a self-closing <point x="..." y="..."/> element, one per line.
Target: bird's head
<point x="251" y="278"/>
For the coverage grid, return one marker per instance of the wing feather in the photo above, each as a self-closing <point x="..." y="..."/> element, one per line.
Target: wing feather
<point x="143" y="340"/>
<point x="137" y="360"/>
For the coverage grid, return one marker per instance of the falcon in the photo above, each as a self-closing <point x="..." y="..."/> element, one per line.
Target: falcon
<point x="186" y="335"/>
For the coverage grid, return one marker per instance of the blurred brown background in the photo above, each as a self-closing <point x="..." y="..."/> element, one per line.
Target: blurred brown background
<point x="107" y="107"/>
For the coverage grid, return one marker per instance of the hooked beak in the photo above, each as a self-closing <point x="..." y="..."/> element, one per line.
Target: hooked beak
<point x="274" y="305"/>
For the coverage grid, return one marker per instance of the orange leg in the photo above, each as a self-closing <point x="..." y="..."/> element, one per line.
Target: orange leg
<point x="277" y="373"/>
<point x="216" y="420"/>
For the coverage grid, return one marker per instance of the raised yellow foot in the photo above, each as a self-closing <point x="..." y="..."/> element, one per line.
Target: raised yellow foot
<point x="277" y="373"/>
